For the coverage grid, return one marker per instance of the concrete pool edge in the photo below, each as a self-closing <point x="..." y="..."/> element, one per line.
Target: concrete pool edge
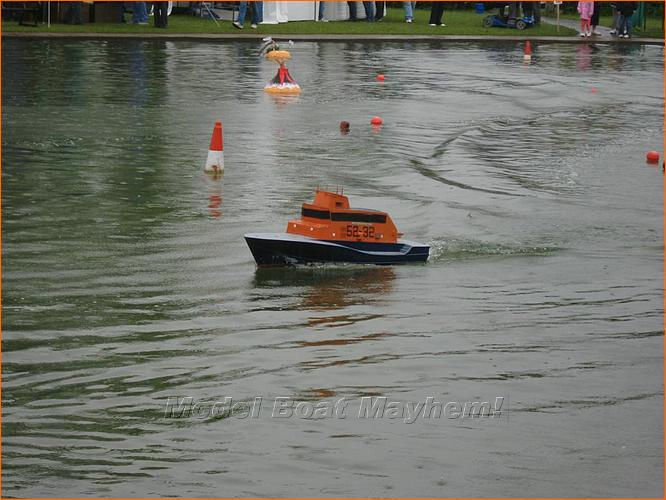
<point x="333" y="38"/>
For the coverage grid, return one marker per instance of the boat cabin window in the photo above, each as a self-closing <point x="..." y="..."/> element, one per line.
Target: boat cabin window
<point x="358" y="217"/>
<point x="316" y="214"/>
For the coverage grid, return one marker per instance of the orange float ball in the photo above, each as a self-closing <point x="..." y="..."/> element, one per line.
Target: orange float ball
<point x="376" y="120"/>
<point x="380" y="77"/>
<point x="652" y="157"/>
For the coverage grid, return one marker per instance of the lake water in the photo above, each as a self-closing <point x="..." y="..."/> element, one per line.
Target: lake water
<point x="126" y="280"/>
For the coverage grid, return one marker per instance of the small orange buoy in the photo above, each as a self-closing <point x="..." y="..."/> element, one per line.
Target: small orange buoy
<point x="594" y="90"/>
<point x="344" y="127"/>
<point x="652" y="157"/>
<point x="376" y="120"/>
<point x="380" y="77"/>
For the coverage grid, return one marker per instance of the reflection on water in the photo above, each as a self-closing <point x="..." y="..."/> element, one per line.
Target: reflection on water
<point x="281" y="101"/>
<point x="126" y="279"/>
<point x="583" y="57"/>
<point x="343" y="341"/>
<point x="325" y="288"/>
<point x="214" y="184"/>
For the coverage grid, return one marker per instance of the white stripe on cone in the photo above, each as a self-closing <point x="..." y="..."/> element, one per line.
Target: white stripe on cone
<point x="214" y="161"/>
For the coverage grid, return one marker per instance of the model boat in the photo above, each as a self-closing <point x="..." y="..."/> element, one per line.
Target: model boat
<point x="329" y="230"/>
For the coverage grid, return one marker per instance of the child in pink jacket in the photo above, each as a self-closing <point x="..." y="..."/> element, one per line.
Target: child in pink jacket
<point x="585" y="9"/>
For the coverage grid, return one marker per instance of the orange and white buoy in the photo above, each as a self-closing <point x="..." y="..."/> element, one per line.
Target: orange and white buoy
<point x="215" y="159"/>
<point x="527" y="56"/>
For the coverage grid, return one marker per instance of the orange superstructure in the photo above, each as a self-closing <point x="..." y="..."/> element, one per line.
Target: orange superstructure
<point x="329" y="217"/>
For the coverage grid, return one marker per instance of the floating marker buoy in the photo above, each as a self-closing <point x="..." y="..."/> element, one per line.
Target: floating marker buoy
<point x="380" y="77"/>
<point x="344" y="127"/>
<point x="376" y="120"/>
<point x="282" y="83"/>
<point x="527" y="56"/>
<point x="652" y="157"/>
<point x="215" y="159"/>
<point x="594" y="90"/>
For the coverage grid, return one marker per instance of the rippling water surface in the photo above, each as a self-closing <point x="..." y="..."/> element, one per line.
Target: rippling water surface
<point x="126" y="279"/>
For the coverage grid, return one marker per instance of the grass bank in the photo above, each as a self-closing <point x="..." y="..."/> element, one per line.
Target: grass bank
<point x="458" y="22"/>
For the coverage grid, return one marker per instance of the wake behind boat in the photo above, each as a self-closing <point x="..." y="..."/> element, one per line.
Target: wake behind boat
<point x="329" y="230"/>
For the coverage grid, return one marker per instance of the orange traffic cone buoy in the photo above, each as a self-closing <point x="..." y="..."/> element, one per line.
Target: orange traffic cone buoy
<point x="215" y="159"/>
<point x="527" y="56"/>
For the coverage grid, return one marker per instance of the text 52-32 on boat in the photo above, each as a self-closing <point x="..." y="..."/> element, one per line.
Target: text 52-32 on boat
<point x="329" y="230"/>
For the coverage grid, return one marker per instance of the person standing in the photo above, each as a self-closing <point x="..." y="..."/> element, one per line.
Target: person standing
<point x="121" y="12"/>
<point x="161" y="12"/>
<point x="616" y="18"/>
<point x="257" y="15"/>
<point x="594" y="20"/>
<point x="436" y="13"/>
<point x="537" y="13"/>
<point x="322" y="9"/>
<point x="585" y="10"/>
<point x="409" y="11"/>
<point x="380" y="9"/>
<point x="139" y="13"/>
<point x="533" y="10"/>
<point x="352" y="11"/>
<point x="626" y="11"/>
<point x="369" y="8"/>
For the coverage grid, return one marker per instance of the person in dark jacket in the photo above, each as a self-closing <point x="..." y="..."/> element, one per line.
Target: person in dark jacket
<point x="380" y="10"/>
<point x="594" y="20"/>
<point x="161" y="14"/>
<point x="352" y="11"/>
<point x="626" y="10"/>
<point x="436" y="13"/>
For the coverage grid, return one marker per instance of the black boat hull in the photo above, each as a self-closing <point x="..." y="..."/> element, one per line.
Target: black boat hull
<point x="279" y="249"/>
